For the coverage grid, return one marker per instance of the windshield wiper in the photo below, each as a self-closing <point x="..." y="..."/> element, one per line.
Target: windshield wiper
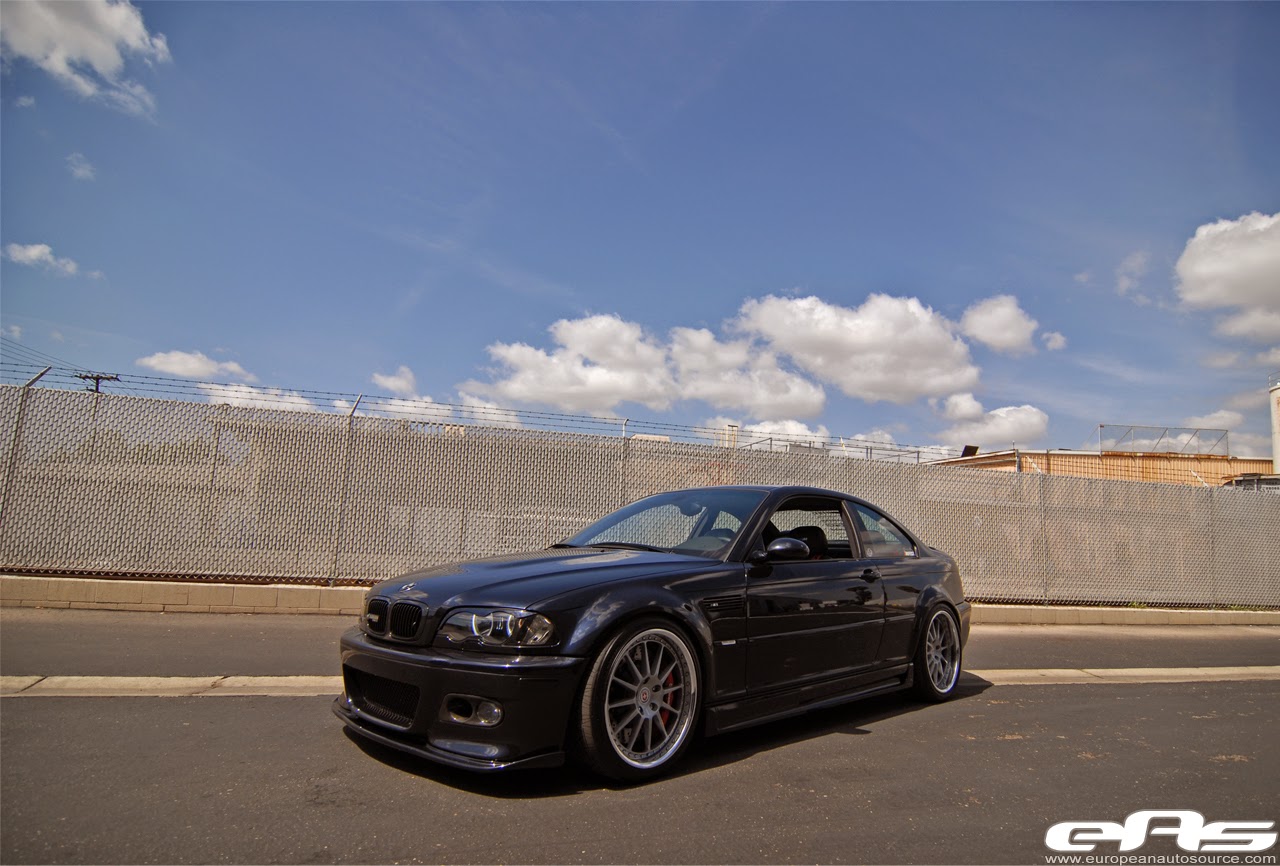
<point x="628" y="545"/>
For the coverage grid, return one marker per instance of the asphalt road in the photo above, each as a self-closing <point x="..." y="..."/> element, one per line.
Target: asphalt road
<point x="276" y="780"/>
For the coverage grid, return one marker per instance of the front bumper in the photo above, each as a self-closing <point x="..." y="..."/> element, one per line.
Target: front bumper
<point x="396" y="696"/>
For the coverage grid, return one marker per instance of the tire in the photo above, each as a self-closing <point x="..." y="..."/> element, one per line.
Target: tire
<point x="938" y="657"/>
<point x="640" y="703"/>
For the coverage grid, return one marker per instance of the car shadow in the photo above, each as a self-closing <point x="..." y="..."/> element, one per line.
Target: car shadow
<point x="706" y="753"/>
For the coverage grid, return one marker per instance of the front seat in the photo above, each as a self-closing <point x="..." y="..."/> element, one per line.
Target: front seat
<point x="814" y="537"/>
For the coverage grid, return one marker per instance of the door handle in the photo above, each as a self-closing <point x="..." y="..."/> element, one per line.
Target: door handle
<point x="870" y="574"/>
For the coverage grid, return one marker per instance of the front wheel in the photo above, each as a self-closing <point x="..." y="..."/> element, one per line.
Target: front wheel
<point x="937" y="662"/>
<point x="640" y="702"/>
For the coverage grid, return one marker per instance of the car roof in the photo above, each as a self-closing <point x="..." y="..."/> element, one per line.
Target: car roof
<point x="802" y="489"/>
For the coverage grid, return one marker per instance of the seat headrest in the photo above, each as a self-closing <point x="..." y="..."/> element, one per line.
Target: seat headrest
<point x="813" y="536"/>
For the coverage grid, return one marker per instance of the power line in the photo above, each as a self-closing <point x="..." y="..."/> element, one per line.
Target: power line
<point x="11" y="347"/>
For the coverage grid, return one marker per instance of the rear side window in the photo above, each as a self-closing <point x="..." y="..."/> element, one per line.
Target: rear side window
<point x="879" y="535"/>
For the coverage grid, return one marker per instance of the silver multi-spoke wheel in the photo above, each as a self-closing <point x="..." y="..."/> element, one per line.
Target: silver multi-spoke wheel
<point x="938" y="661"/>
<point x="640" y="702"/>
<point x="652" y="685"/>
<point x="941" y="652"/>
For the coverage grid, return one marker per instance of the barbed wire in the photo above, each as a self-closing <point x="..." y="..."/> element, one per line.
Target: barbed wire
<point x="19" y="364"/>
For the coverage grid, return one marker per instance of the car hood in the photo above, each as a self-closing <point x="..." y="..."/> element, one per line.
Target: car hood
<point x="522" y="580"/>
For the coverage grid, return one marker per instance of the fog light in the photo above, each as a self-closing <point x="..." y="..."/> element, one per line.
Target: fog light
<point x="470" y="710"/>
<point x="488" y="713"/>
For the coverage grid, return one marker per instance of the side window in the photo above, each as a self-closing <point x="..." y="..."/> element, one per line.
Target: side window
<point x="817" y="522"/>
<point x="879" y="536"/>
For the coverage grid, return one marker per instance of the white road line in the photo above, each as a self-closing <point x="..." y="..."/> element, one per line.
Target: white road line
<point x="230" y="686"/>
<point x="1072" y="676"/>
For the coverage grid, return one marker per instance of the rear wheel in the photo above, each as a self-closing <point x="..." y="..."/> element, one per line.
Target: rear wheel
<point x="640" y="702"/>
<point x="937" y="662"/>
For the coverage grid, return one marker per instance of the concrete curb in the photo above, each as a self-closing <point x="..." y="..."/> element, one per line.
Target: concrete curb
<point x="1030" y="614"/>
<point x="180" y="597"/>
<point x="197" y="597"/>
<point x="166" y="687"/>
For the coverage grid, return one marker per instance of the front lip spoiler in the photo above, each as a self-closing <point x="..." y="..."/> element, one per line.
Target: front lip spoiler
<point x="440" y="756"/>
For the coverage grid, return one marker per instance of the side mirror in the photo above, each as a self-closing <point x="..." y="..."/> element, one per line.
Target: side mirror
<point x="787" y="548"/>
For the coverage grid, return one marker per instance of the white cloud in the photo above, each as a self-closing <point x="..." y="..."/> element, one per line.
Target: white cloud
<point x="1256" y="324"/>
<point x="962" y="407"/>
<point x="25" y="102"/>
<point x="1053" y="341"/>
<point x="891" y="349"/>
<point x="767" y="434"/>
<point x="790" y="429"/>
<point x="40" y="255"/>
<point x="14" y="331"/>
<point x="57" y="337"/>
<point x="1223" y="419"/>
<point x="1235" y="265"/>
<point x="1250" y="445"/>
<point x="1270" y="358"/>
<point x="248" y="397"/>
<point x="1232" y="263"/>
<point x="884" y="437"/>
<point x="487" y="412"/>
<point x="419" y="408"/>
<point x="1247" y="400"/>
<point x="193" y="365"/>
<point x="1221" y="360"/>
<point x="601" y="361"/>
<point x="402" y="382"/>
<point x="738" y="375"/>
<point x="80" y="167"/>
<point x="1130" y="272"/>
<point x="1084" y="278"/>
<point x="999" y="428"/>
<point x="83" y="45"/>
<point x="1000" y="324"/>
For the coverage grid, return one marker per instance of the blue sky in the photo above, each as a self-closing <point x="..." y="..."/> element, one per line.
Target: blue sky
<point x="931" y="223"/>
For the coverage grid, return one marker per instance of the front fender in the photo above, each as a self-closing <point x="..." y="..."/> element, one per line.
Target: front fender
<point x="608" y="612"/>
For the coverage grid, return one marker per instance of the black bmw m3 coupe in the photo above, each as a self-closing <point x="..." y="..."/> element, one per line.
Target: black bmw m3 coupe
<point x="696" y="610"/>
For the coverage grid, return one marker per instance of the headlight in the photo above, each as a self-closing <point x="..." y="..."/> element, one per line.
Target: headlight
<point x="509" y="628"/>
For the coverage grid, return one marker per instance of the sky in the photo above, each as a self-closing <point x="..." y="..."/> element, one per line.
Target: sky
<point x="919" y="223"/>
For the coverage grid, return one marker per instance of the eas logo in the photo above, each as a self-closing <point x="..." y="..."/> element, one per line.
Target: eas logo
<point x="1192" y="832"/>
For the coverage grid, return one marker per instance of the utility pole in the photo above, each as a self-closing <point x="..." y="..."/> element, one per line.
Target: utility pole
<point x="98" y="379"/>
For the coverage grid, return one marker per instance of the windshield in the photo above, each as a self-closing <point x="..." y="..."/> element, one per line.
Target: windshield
<point x="698" y="522"/>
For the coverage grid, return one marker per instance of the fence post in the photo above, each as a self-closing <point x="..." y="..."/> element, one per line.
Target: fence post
<point x="342" y="494"/>
<point x="1213" y="554"/>
<point x="15" y="445"/>
<point x="622" y="467"/>
<point x="1044" y="538"/>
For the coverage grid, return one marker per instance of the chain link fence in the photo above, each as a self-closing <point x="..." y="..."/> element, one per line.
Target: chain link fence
<point x="129" y="486"/>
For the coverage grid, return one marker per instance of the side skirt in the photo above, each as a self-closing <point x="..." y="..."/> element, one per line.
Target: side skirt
<point x="792" y="702"/>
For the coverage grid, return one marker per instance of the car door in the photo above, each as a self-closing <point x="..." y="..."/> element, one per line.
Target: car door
<point x="816" y="618"/>
<point x="891" y="554"/>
